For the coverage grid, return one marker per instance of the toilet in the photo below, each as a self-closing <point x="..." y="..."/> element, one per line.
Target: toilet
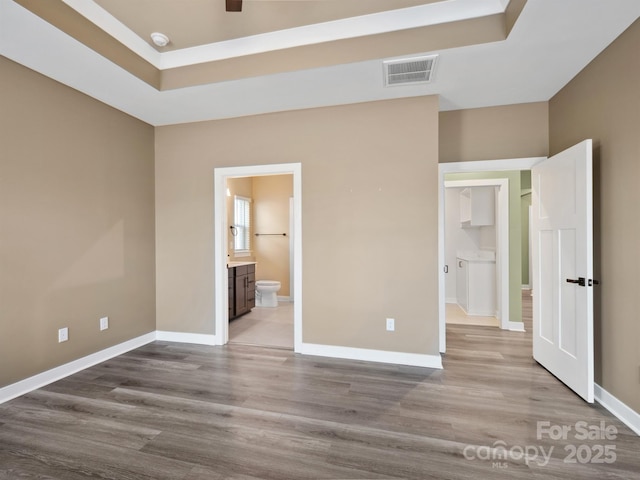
<point x="267" y="293"/>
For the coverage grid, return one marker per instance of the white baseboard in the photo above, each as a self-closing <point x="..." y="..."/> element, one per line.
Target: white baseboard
<point x="284" y="299"/>
<point x="382" y="356"/>
<point x="624" y="413"/>
<point x="526" y="287"/>
<point x="619" y="409"/>
<point x="451" y="300"/>
<point x="516" y="326"/>
<point x="180" y="337"/>
<point x="45" y="378"/>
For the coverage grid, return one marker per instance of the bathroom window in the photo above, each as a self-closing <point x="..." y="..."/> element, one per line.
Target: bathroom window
<point x="242" y="222"/>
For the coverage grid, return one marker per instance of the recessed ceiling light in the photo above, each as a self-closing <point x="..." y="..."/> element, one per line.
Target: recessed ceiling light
<point x="160" y="39"/>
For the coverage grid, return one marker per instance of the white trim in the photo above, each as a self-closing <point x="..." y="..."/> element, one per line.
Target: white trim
<point x="45" y="378"/>
<point x="284" y="299"/>
<point x="220" y="244"/>
<point x="619" y="409"/>
<point x="516" y="326"/>
<point x="526" y="287"/>
<point x="381" y="356"/>
<point x="505" y="165"/>
<point x="459" y="167"/>
<point x="181" y="337"/>
<point x="353" y="27"/>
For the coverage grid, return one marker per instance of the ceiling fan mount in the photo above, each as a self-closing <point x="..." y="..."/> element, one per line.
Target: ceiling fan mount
<point x="234" y="5"/>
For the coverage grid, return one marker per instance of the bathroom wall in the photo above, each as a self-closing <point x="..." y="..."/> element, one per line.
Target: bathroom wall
<point x="242" y="186"/>
<point x="271" y="194"/>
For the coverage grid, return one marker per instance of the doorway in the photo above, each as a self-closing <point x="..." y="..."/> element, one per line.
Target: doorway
<point x="259" y="237"/>
<point x="469" y="167"/>
<point x="477" y="263"/>
<point x="221" y="244"/>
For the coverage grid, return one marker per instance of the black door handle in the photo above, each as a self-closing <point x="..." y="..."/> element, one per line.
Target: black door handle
<point x="580" y="281"/>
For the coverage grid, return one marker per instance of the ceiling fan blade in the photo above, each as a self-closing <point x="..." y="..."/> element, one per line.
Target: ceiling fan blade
<point x="234" y="5"/>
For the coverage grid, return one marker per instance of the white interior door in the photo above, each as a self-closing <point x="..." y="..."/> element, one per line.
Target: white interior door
<point x="562" y="237"/>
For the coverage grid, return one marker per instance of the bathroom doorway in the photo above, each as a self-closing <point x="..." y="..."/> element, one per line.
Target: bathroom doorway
<point x="273" y="249"/>
<point x="265" y="247"/>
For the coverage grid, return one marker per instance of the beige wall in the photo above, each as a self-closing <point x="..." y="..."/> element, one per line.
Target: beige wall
<point x="76" y="224"/>
<point x="493" y="133"/>
<point x="603" y="103"/>
<point x="363" y="184"/>
<point x="271" y="194"/>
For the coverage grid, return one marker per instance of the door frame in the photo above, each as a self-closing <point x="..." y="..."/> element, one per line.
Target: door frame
<point x="464" y="167"/>
<point x="221" y="312"/>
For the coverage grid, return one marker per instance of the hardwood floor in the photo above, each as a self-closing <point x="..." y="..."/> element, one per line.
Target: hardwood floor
<point x="188" y="412"/>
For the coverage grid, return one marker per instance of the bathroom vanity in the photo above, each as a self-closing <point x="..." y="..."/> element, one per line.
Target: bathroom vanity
<point x="241" y="280"/>
<point x="476" y="283"/>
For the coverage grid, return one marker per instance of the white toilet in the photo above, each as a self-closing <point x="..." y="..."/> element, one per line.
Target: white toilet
<point x="267" y="293"/>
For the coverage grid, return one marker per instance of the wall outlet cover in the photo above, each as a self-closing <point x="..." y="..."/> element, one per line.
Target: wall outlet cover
<point x="104" y="323"/>
<point x="391" y="324"/>
<point x="63" y="335"/>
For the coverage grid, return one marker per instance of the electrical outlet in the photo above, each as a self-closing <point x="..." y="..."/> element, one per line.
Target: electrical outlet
<point x="63" y="335"/>
<point x="391" y="324"/>
<point x="104" y="323"/>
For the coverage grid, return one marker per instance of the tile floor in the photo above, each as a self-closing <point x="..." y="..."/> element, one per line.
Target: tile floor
<point x="264" y="326"/>
<point x="456" y="316"/>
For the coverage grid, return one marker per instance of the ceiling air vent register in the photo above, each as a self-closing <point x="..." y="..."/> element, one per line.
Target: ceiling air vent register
<point x="409" y="71"/>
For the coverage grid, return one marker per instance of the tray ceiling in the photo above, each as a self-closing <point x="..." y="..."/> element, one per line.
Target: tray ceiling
<point x="291" y="54"/>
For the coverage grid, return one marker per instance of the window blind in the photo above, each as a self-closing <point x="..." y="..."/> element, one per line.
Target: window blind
<point x="242" y="221"/>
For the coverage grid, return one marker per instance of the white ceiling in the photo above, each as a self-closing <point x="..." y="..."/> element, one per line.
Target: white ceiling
<point x="551" y="42"/>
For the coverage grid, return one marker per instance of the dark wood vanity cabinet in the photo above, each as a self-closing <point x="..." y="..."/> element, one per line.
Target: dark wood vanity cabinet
<point x="242" y="288"/>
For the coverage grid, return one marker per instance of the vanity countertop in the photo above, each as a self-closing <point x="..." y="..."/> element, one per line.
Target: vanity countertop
<point x="239" y="264"/>
<point x="483" y="256"/>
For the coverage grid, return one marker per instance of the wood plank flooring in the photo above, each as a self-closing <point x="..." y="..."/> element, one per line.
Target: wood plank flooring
<point x="188" y="412"/>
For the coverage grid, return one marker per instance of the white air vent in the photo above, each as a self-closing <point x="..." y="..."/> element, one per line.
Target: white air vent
<point x="409" y="71"/>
